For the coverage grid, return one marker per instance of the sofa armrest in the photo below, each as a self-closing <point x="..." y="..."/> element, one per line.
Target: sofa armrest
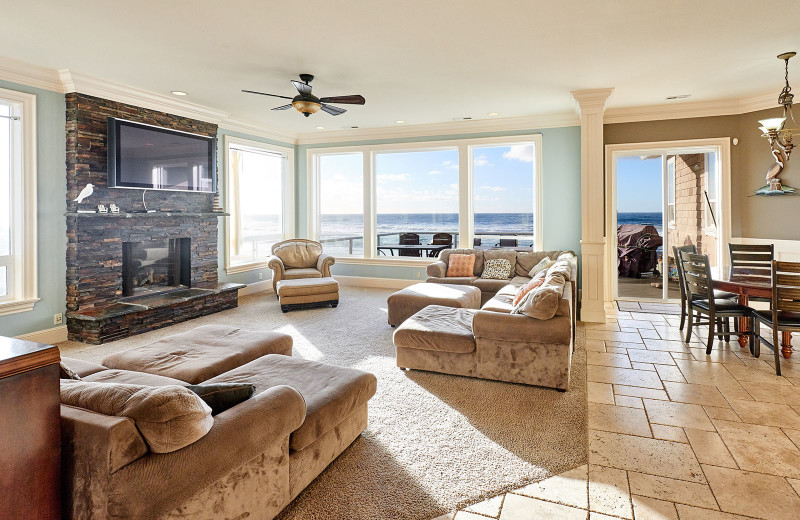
<point x="494" y="326"/>
<point x="158" y="483"/>
<point x="276" y="264"/>
<point x="324" y="263"/>
<point x="437" y="269"/>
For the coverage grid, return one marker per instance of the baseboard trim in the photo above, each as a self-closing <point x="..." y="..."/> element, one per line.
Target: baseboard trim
<point x="47" y="336"/>
<point x="256" y="287"/>
<point x="374" y="282"/>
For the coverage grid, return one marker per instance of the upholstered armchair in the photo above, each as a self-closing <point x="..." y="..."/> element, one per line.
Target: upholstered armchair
<point x="299" y="258"/>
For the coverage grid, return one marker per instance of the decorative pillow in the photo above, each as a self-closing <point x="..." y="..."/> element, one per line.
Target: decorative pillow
<point x="222" y="396"/>
<point x="64" y="372"/>
<point x="497" y="269"/>
<point x="168" y="417"/>
<point x="298" y="254"/>
<point x="561" y="266"/>
<point x="543" y="302"/>
<point x="528" y="287"/>
<point x="460" y="265"/>
<point x="543" y="265"/>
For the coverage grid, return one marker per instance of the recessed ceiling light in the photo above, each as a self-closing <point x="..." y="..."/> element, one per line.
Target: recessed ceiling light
<point x="179" y="93"/>
<point x="320" y="128"/>
<point x="679" y="96"/>
<point x="399" y="121"/>
<point x="492" y="114"/>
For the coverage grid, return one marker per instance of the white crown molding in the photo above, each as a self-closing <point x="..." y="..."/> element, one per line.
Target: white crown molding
<point x="250" y="128"/>
<point x="472" y="126"/>
<point x="720" y="107"/>
<point x="591" y="101"/>
<point x="24" y="73"/>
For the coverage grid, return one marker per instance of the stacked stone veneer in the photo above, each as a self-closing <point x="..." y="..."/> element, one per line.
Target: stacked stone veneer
<point x="94" y="242"/>
<point x="690" y="205"/>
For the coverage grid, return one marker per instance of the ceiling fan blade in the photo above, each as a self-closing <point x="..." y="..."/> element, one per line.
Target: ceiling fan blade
<point x="332" y="110"/>
<point x="301" y="87"/>
<point x="265" y="94"/>
<point x="283" y="107"/>
<point x="345" y="100"/>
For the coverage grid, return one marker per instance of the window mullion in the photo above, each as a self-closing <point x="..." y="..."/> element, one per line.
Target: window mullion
<point x="370" y="218"/>
<point x="466" y="224"/>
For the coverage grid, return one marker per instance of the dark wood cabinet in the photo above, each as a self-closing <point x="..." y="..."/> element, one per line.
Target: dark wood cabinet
<point x="30" y="439"/>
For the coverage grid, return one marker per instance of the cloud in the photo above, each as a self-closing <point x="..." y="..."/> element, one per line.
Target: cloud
<point x="454" y="186"/>
<point x="450" y="164"/>
<point x="520" y="152"/>
<point x="492" y="188"/>
<point x="435" y="172"/>
<point x="482" y="160"/>
<point x="396" y="177"/>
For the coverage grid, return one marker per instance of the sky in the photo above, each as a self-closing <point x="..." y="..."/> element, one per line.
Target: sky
<point x="427" y="181"/>
<point x="639" y="185"/>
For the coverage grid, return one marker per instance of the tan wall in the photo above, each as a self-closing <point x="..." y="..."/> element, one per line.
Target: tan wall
<point x="776" y="217"/>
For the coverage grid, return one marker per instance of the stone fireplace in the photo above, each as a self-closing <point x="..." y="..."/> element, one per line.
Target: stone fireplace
<point x="155" y="266"/>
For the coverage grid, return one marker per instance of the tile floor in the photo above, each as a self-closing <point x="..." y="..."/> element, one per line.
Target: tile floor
<point x="673" y="433"/>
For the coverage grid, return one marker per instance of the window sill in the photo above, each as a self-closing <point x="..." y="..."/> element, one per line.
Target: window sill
<point x="15" y="306"/>
<point x="388" y="261"/>
<point x="255" y="266"/>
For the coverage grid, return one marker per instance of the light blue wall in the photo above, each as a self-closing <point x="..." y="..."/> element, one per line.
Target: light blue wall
<point x="51" y="204"/>
<point x="249" y="276"/>
<point x="561" y="185"/>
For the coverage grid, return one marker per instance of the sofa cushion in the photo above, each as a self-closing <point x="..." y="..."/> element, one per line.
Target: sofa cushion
<point x="543" y="265"/>
<point x="331" y="392"/>
<point x="500" y="302"/>
<point x="439" y="328"/>
<point x="477" y="269"/>
<point x="457" y="280"/>
<point x="497" y="269"/>
<point x="130" y="377"/>
<point x="562" y="267"/>
<point x="168" y="417"/>
<point x="307" y="286"/>
<point x="201" y="353"/>
<point x="489" y="285"/>
<point x="222" y="396"/>
<point x="407" y="301"/>
<point x="543" y="302"/>
<point x="527" y="259"/>
<point x="81" y="367"/>
<point x="460" y="265"/>
<point x="65" y="372"/>
<point x="301" y="272"/>
<point x="298" y="254"/>
<point x="535" y="282"/>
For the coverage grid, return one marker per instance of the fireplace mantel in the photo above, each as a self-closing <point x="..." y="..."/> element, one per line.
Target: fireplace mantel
<point x="203" y="214"/>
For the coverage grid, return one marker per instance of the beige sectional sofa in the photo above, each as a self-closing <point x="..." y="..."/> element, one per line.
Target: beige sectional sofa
<point x="507" y="347"/>
<point x="256" y="458"/>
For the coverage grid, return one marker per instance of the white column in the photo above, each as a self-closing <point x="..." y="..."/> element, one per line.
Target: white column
<point x="591" y="105"/>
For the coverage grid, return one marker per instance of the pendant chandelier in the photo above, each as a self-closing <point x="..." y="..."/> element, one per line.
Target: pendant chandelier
<point x="779" y="132"/>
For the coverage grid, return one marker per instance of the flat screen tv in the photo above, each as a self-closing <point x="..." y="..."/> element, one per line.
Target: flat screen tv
<point x="155" y="158"/>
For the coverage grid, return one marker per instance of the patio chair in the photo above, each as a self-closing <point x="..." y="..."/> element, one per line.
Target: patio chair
<point x="507" y="242"/>
<point x="749" y="256"/>
<point x="441" y="239"/>
<point x="409" y="239"/>
<point x="719" y="295"/>
<point x="476" y="242"/>
<point x="784" y="316"/>
<point x="700" y="299"/>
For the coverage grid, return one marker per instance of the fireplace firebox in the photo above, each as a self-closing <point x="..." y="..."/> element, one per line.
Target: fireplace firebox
<point x="155" y="265"/>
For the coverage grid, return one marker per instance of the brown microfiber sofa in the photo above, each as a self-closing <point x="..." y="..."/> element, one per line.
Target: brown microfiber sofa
<point x="298" y="258"/>
<point x="257" y="457"/>
<point x="508" y="347"/>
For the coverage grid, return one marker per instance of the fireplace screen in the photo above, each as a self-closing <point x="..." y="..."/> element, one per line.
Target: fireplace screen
<point x="155" y="265"/>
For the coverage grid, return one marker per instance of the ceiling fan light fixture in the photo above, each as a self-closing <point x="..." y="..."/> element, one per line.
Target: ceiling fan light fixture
<point x="306" y="107"/>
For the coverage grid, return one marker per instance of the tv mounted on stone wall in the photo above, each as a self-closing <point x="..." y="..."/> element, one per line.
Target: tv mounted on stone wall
<point x="155" y="158"/>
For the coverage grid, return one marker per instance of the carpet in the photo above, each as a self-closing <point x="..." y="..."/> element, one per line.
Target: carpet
<point x="434" y="442"/>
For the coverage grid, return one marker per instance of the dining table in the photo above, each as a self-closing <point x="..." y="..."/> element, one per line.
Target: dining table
<point x="748" y="282"/>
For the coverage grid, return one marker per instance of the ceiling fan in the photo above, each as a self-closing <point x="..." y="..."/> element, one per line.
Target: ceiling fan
<point x="306" y="103"/>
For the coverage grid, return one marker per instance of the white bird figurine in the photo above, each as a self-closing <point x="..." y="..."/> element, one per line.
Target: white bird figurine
<point x="85" y="192"/>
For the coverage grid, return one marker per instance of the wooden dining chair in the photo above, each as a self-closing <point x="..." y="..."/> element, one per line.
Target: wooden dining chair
<point x="784" y="316"/>
<point x="700" y="299"/>
<point x="409" y="239"/>
<point x="752" y="256"/>
<point x="719" y="295"/>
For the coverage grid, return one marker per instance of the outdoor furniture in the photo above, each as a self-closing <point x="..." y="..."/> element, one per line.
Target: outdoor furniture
<point x="719" y="295"/>
<point x="784" y="316"/>
<point x="428" y="249"/>
<point x="308" y="292"/>
<point x="507" y="242"/>
<point x="441" y="239"/>
<point x="298" y="258"/>
<point x="405" y="302"/>
<point x="700" y="299"/>
<point x="409" y="239"/>
<point x="476" y="242"/>
<point x="753" y="257"/>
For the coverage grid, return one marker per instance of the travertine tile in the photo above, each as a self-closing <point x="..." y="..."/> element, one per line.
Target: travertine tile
<point x="630" y="402"/>
<point x="726" y="414"/>
<point x="636" y="324"/>
<point x="645" y="508"/>
<point x="489" y="507"/>
<point x="649" y="316"/>
<point x="617" y="350"/>
<point x="795" y="483"/>
<point x="745" y="373"/>
<point x="623" y="376"/>
<point x="649" y="334"/>
<point x="600" y="393"/>
<point x="670" y="333"/>
<point x="627" y="329"/>
<point x="794" y="435"/>
<point x="668" y="433"/>
<point x="753" y="494"/>
<point x="622" y="344"/>
<point x="569" y="488"/>
<point x="595" y="345"/>
<point x="696" y="513"/>
<point x="663" y="488"/>
<point x="643" y="366"/>
<point x="767" y="414"/>
<point x="665" y="345"/>
<point x="701" y="373"/>
<point x="608" y="491"/>
<point x="760" y="448"/>
<point x="670" y="373"/>
<point x="695" y="394"/>
<point x="681" y="415"/>
<point x="618" y="419"/>
<point x="637" y="391"/>
<point x="651" y="356"/>
<point x="518" y="507"/>
<point x="609" y="325"/>
<point x="772" y="393"/>
<point x="466" y="515"/>
<point x="681" y="355"/>
<point x="717" y="355"/>
<point x="709" y="448"/>
<point x="446" y="516"/>
<point x="664" y="458"/>
<point x="607" y="359"/>
<point x="610" y="335"/>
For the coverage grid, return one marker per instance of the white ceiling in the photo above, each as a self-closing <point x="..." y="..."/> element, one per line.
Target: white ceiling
<point x="419" y="61"/>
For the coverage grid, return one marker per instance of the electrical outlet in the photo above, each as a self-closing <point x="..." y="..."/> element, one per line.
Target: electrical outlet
<point x="260" y="276"/>
<point x="419" y="274"/>
<point x="58" y="319"/>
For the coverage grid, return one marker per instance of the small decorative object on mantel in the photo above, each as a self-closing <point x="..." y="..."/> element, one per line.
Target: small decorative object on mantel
<point x="113" y="207"/>
<point x="101" y="208"/>
<point x="779" y="132"/>
<point x="85" y="192"/>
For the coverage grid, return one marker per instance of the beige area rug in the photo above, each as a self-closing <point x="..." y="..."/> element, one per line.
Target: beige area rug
<point x="434" y="442"/>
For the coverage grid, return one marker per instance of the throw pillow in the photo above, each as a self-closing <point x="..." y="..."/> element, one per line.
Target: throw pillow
<point x="64" y="372"/>
<point x="542" y="303"/>
<point x="222" y="396"/>
<point x="497" y="269"/>
<point x="168" y="417"/>
<point x="460" y="265"/>
<point x="562" y="267"/>
<point x="528" y="287"/>
<point x="543" y="265"/>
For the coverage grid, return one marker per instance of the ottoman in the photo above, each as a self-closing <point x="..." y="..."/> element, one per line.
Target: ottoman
<point x="406" y="302"/>
<point x="201" y="353"/>
<point x="307" y="292"/>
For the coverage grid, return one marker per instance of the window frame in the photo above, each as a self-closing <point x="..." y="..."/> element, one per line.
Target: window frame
<point x="465" y="148"/>
<point x="287" y="187"/>
<point x="671" y="224"/>
<point x="708" y="227"/>
<point x="24" y="294"/>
